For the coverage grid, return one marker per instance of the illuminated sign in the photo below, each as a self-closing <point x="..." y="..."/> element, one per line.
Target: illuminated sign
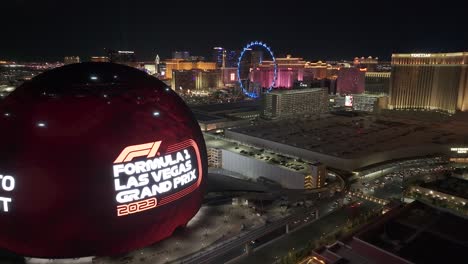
<point x="420" y="55"/>
<point x="156" y="180"/>
<point x="348" y="100"/>
<point x="459" y="150"/>
<point x="7" y="184"/>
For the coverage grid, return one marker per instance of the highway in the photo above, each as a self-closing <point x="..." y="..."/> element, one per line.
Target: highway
<point x="300" y="237"/>
<point x="330" y="219"/>
<point x="232" y="247"/>
<point x="391" y="188"/>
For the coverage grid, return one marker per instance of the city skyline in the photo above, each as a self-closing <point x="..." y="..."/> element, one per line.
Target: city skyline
<point x="50" y="30"/>
<point x="196" y="132"/>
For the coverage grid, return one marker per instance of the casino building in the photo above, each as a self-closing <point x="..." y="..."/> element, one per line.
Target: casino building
<point x="432" y="81"/>
<point x="290" y="70"/>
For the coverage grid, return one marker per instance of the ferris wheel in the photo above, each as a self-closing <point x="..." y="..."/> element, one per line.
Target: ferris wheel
<point x="244" y="79"/>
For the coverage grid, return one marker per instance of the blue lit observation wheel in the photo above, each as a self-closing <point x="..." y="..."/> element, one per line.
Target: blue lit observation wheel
<point x="248" y="48"/>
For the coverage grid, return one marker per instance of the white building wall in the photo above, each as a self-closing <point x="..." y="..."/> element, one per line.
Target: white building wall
<point x="255" y="168"/>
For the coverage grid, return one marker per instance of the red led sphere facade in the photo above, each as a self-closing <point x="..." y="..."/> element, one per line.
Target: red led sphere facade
<point x="96" y="159"/>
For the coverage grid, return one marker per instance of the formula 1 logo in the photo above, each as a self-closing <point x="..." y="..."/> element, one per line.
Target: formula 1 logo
<point x="157" y="179"/>
<point x="129" y="153"/>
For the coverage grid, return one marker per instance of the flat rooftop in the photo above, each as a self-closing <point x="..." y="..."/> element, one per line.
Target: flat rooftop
<point x="244" y="106"/>
<point x="218" y="113"/>
<point x="420" y="234"/>
<point x="208" y="118"/>
<point x="284" y="161"/>
<point x="357" y="136"/>
<point x="297" y="91"/>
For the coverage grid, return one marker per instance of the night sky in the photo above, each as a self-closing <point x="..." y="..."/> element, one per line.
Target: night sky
<point x="48" y="30"/>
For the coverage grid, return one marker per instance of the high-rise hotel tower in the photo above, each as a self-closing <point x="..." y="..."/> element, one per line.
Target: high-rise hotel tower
<point x="430" y="81"/>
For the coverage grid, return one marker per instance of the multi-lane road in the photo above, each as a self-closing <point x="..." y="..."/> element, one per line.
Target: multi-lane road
<point x="299" y="238"/>
<point x="384" y="182"/>
<point x="232" y="248"/>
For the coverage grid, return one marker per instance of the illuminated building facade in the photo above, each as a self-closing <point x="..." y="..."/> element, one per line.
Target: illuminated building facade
<point x="317" y="177"/>
<point x="162" y="70"/>
<point x="183" y="55"/>
<point x="13" y="74"/>
<point x="377" y="82"/>
<point x="196" y="79"/>
<point x="284" y="103"/>
<point x="231" y="59"/>
<point x="126" y="57"/>
<point x="71" y="60"/>
<point x="435" y="81"/>
<point x="218" y="56"/>
<point x="368" y="63"/>
<point x="229" y="76"/>
<point x="196" y="58"/>
<point x="157" y="61"/>
<point x="252" y="162"/>
<point x="459" y="155"/>
<point x="180" y="64"/>
<point x="215" y="157"/>
<point x="184" y="80"/>
<point x="350" y="81"/>
<point x="372" y="103"/>
<point x="329" y="83"/>
<point x="209" y="79"/>
<point x="290" y="70"/>
<point x="369" y="102"/>
<point x="332" y="71"/>
<point x="99" y="59"/>
<point x="150" y="68"/>
<point x="315" y="70"/>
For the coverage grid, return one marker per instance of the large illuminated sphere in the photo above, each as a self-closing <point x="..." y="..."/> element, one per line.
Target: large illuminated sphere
<point x="96" y="159"/>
